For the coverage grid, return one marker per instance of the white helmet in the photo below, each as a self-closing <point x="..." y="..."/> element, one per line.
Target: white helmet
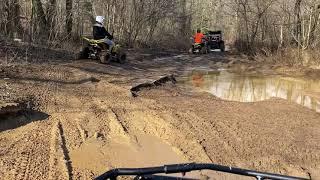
<point x="100" y="19"/>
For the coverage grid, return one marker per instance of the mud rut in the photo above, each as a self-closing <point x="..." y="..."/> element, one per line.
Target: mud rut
<point x="92" y="119"/>
<point x="79" y="114"/>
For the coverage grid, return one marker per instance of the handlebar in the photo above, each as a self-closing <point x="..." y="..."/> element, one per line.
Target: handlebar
<point x="183" y="168"/>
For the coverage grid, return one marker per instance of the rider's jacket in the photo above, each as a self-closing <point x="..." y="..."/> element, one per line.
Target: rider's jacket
<point x="198" y="38"/>
<point x="100" y="32"/>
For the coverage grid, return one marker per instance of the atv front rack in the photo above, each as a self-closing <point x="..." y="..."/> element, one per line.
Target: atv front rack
<point x="146" y="173"/>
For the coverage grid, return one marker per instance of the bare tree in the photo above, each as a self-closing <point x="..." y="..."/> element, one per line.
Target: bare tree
<point x="51" y="13"/>
<point x="251" y="25"/>
<point x="297" y="21"/>
<point x="39" y="19"/>
<point x="69" y="19"/>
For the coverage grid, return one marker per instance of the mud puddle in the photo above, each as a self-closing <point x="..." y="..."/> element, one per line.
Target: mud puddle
<point x="17" y="114"/>
<point x="145" y="150"/>
<point x="256" y="87"/>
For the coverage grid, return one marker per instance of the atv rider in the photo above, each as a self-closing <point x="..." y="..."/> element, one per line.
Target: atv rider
<point x="100" y="32"/>
<point x="199" y="37"/>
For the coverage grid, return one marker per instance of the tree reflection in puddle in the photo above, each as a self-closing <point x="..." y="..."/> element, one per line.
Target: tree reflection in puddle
<point x="253" y="88"/>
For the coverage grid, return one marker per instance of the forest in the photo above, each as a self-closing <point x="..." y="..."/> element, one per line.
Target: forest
<point x="265" y="27"/>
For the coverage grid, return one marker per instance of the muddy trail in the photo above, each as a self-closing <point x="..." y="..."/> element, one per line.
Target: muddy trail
<point x="82" y="119"/>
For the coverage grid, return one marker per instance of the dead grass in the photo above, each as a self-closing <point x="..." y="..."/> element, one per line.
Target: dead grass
<point x="24" y="53"/>
<point x="291" y="57"/>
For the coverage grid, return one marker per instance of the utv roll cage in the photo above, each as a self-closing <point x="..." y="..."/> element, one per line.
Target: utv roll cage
<point x="214" y="32"/>
<point x="149" y="173"/>
<point x="215" y="40"/>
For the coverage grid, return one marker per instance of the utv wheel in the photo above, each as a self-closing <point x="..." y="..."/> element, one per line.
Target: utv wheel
<point x="222" y="47"/>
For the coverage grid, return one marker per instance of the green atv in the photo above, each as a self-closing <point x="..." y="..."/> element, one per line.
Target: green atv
<point x="98" y="50"/>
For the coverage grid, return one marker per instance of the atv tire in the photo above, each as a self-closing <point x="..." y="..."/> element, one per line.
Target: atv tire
<point x="204" y="50"/>
<point x="83" y="54"/>
<point x="122" y="57"/>
<point x="105" y="58"/>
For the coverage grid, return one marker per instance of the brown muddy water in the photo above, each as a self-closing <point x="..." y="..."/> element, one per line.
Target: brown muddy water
<point x="256" y="87"/>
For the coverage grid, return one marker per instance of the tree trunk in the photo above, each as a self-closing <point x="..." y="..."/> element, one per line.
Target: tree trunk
<point x="316" y="16"/>
<point x="297" y="14"/>
<point x="8" y="18"/>
<point x="281" y="36"/>
<point x="51" y="17"/>
<point x="41" y="20"/>
<point x="69" y="19"/>
<point x="16" y="19"/>
<point x="13" y="27"/>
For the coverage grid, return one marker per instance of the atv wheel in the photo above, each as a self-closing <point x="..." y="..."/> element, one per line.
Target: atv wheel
<point x="204" y="50"/>
<point x="83" y="54"/>
<point x="208" y="50"/>
<point x="122" y="58"/>
<point x="105" y="58"/>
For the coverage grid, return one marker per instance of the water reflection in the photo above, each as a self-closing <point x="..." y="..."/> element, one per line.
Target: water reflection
<point x="246" y="88"/>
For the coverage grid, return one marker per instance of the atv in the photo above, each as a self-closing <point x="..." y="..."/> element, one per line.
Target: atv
<point x="98" y="50"/>
<point x="197" y="48"/>
<point x="215" y="40"/>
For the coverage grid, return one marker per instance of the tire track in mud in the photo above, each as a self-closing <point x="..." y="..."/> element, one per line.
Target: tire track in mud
<point x="9" y="147"/>
<point x="22" y="165"/>
<point x="68" y="167"/>
<point x="211" y="132"/>
<point x="152" y="123"/>
<point x="190" y="146"/>
<point x="59" y="154"/>
<point x="25" y="156"/>
<point x="25" y="153"/>
<point x="53" y="152"/>
<point x="49" y="82"/>
<point x="183" y="125"/>
<point x="117" y="126"/>
<point x="83" y="133"/>
<point x="73" y="114"/>
<point x="115" y="118"/>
